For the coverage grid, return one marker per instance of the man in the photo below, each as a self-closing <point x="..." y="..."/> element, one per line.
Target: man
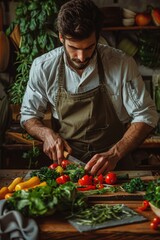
<point x="94" y="91"/>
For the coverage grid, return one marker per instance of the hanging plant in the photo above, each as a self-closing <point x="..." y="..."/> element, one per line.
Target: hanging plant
<point x="34" y="34"/>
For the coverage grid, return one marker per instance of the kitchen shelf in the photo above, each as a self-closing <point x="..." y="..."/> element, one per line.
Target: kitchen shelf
<point x="120" y="28"/>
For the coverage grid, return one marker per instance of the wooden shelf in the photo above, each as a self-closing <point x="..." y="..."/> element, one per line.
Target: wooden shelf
<point x="151" y="142"/>
<point x="120" y="28"/>
<point x="21" y="138"/>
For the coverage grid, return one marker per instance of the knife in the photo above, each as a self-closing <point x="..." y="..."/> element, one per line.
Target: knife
<point x="73" y="159"/>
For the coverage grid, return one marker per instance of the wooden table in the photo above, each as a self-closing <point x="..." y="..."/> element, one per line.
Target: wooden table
<point x="55" y="227"/>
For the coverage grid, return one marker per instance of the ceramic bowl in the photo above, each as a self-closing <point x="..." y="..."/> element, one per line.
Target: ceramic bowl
<point x="128" y="13"/>
<point x="155" y="209"/>
<point x="128" y="21"/>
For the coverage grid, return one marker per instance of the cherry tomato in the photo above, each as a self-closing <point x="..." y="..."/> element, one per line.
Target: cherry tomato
<point x="53" y="165"/>
<point x="85" y="180"/>
<point x="99" y="186"/>
<point x="145" y="205"/>
<point x="62" y="179"/>
<point x="154" y="225"/>
<point x="156" y="220"/>
<point x="98" y="179"/>
<point x="64" y="163"/>
<point x="111" y="178"/>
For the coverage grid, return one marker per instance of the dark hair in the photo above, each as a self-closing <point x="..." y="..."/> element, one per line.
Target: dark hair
<point x="79" y="19"/>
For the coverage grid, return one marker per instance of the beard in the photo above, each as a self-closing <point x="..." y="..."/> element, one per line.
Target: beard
<point x="76" y="63"/>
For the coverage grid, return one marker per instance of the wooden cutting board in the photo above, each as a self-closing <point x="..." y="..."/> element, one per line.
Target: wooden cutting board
<point x="125" y="196"/>
<point x="116" y="196"/>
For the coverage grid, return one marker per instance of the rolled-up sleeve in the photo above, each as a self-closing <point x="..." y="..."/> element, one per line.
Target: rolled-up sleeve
<point x="137" y="100"/>
<point x="34" y="101"/>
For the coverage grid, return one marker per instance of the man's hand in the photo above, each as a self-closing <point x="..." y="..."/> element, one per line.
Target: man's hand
<point x="101" y="163"/>
<point x="53" y="144"/>
<point x="133" y="137"/>
<point x="54" y="147"/>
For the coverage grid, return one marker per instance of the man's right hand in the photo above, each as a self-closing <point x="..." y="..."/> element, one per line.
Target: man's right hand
<point x="54" y="147"/>
<point x="53" y="144"/>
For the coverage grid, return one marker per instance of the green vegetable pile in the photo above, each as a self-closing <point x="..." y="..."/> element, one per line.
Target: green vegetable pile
<point x="46" y="200"/>
<point x="153" y="192"/>
<point x="134" y="185"/>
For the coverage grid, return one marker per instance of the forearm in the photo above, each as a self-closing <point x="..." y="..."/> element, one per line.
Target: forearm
<point x="37" y="129"/>
<point x="133" y="138"/>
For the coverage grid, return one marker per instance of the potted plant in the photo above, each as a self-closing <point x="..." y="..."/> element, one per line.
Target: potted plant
<point x="33" y="33"/>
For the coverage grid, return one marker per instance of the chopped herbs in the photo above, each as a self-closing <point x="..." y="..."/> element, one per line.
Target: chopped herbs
<point x="100" y="213"/>
<point x="45" y="174"/>
<point x="74" y="172"/>
<point x="135" y="184"/>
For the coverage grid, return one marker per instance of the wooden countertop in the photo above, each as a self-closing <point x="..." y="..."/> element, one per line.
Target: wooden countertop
<point x="56" y="227"/>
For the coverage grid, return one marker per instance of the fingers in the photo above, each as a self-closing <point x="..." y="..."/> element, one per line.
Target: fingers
<point x="100" y="164"/>
<point x="54" y="149"/>
<point x="67" y="147"/>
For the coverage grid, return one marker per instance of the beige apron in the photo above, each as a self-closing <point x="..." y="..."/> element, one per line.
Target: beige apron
<point x="88" y="120"/>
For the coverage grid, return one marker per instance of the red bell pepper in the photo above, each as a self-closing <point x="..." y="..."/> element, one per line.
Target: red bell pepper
<point x="87" y="188"/>
<point x="62" y="179"/>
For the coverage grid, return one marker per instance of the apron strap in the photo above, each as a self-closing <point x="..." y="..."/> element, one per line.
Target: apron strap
<point x="60" y="75"/>
<point x="100" y="69"/>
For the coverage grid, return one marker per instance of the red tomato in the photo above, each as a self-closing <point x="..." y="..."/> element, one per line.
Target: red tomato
<point x="98" y="179"/>
<point x="64" y="163"/>
<point x="62" y="179"/>
<point x="111" y="178"/>
<point x="99" y="186"/>
<point x="154" y="225"/>
<point x="53" y="165"/>
<point x="145" y="205"/>
<point x="156" y="220"/>
<point x="85" y="180"/>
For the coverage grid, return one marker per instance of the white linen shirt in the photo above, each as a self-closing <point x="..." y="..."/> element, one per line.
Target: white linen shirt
<point x="124" y="83"/>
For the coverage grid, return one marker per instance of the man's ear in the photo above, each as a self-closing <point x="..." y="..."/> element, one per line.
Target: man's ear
<point x="61" y="38"/>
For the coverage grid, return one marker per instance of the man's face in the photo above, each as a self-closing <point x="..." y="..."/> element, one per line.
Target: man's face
<point x="79" y="52"/>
